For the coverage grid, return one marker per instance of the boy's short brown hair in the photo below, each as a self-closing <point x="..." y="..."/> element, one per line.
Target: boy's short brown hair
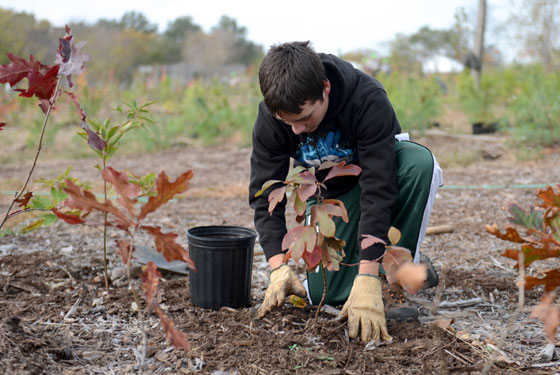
<point x="291" y="74"/>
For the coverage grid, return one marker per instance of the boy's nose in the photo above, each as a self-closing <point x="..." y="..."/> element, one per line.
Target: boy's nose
<point x="297" y="129"/>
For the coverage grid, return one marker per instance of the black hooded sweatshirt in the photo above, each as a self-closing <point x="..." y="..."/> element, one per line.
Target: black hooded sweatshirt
<point x="359" y="127"/>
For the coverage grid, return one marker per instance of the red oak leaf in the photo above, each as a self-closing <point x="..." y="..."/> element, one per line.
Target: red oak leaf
<point x="41" y="85"/>
<point x="69" y="218"/>
<point x="22" y="201"/>
<point x="334" y="207"/>
<point x="85" y="200"/>
<point x="548" y="313"/>
<point x="177" y="338"/>
<point x="306" y="191"/>
<point x="150" y="281"/>
<point x="276" y="196"/>
<point x="511" y="234"/>
<point x="126" y="190"/>
<point x="2" y="124"/>
<point x="550" y="197"/>
<point x="533" y="253"/>
<point x="18" y="69"/>
<point x="165" y="191"/>
<point x="298" y="240"/>
<point x="312" y="259"/>
<point x="551" y="280"/>
<point x="94" y="140"/>
<point x="327" y="227"/>
<point x="341" y="169"/>
<point x="70" y="57"/>
<point x="165" y="244"/>
<point x="370" y="240"/>
<point x="299" y="206"/>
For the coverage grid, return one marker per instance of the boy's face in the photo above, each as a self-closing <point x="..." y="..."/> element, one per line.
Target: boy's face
<point x="311" y="115"/>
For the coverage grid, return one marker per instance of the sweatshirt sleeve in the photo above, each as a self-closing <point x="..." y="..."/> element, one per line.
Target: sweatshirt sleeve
<point x="376" y="127"/>
<point x="270" y="160"/>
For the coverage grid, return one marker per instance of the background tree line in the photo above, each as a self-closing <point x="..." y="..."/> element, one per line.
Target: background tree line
<point x="132" y="41"/>
<point x="121" y="46"/>
<point x="517" y="94"/>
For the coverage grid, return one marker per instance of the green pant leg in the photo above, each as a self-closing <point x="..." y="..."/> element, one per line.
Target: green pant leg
<point x="415" y="170"/>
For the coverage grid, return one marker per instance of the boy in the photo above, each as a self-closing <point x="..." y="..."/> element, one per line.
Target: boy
<point x="317" y="107"/>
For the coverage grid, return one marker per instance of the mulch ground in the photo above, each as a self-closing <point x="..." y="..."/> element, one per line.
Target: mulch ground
<point x="57" y="318"/>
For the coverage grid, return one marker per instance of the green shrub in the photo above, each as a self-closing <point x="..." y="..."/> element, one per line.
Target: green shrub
<point x="535" y="108"/>
<point x="416" y="100"/>
<point x="479" y="104"/>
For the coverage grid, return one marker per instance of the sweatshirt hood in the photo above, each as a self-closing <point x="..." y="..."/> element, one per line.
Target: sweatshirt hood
<point x="343" y="77"/>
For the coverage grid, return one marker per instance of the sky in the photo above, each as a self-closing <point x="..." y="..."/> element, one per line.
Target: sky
<point x="333" y="26"/>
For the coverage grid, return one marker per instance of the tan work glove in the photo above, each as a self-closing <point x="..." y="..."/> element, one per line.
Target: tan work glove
<point x="364" y="310"/>
<point x="283" y="283"/>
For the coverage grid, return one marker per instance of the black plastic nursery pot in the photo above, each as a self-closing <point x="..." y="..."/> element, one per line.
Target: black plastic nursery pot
<point x="223" y="256"/>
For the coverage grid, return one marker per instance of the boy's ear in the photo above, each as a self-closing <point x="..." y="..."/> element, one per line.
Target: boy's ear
<point x="327" y="86"/>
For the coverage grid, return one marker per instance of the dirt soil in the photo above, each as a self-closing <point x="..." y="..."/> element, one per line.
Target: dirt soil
<point x="56" y="318"/>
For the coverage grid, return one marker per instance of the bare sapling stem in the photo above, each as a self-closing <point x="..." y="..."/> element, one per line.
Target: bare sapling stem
<point x="323" y="296"/>
<point x="129" y="274"/>
<point x="39" y="146"/>
<point x="137" y="301"/>
<point x="144" y="347"/>
<point x="105" y="225"/>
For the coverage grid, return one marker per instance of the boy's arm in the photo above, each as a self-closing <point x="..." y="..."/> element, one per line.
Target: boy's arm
<point x="270" y="160"/>
<point x="375" y="129"/>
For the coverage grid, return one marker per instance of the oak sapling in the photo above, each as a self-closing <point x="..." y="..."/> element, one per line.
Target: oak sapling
<point x="43" y="83"/>
<point x="126" y="213"/>
<point x="314" y="239"/>
<point x="540" y="241"/>
<point x="110" y="136"/>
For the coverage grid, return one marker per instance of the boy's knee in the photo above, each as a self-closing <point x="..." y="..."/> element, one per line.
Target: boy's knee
<point x="415" y="159"/>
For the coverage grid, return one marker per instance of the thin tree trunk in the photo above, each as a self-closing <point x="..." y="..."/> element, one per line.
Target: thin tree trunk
<point x="479" y="41"/>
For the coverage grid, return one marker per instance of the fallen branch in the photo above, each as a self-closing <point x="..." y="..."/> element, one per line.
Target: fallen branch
<point x="439" y="229"/>
<point x="541" y="365"/>
<point x="461" y="303"/>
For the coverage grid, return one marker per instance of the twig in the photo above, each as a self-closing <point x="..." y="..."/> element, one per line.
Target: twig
<point x="541" y="365"/>
<point x="5" y="288"/>
<point x="31" y="289"/>
<point x="72" y="309"/>
<point x="137" y="301"/>
<point x="440" y="289"/>
<point x="461" y="303"/>
<point x="105" y="225"/>
<point x="475" y="348"/>
<point x="513" y="317"/>
<point x="19" y="212"/>
<point x="456" y="357"/>
<point x="440" y="229"/>
<point x="65" y="270"/>
<point x="51" y="103"/>
<point x="499" y="265"/>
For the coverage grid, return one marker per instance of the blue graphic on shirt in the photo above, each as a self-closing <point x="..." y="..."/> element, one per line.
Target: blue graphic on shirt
<point x="316" y="151"/>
